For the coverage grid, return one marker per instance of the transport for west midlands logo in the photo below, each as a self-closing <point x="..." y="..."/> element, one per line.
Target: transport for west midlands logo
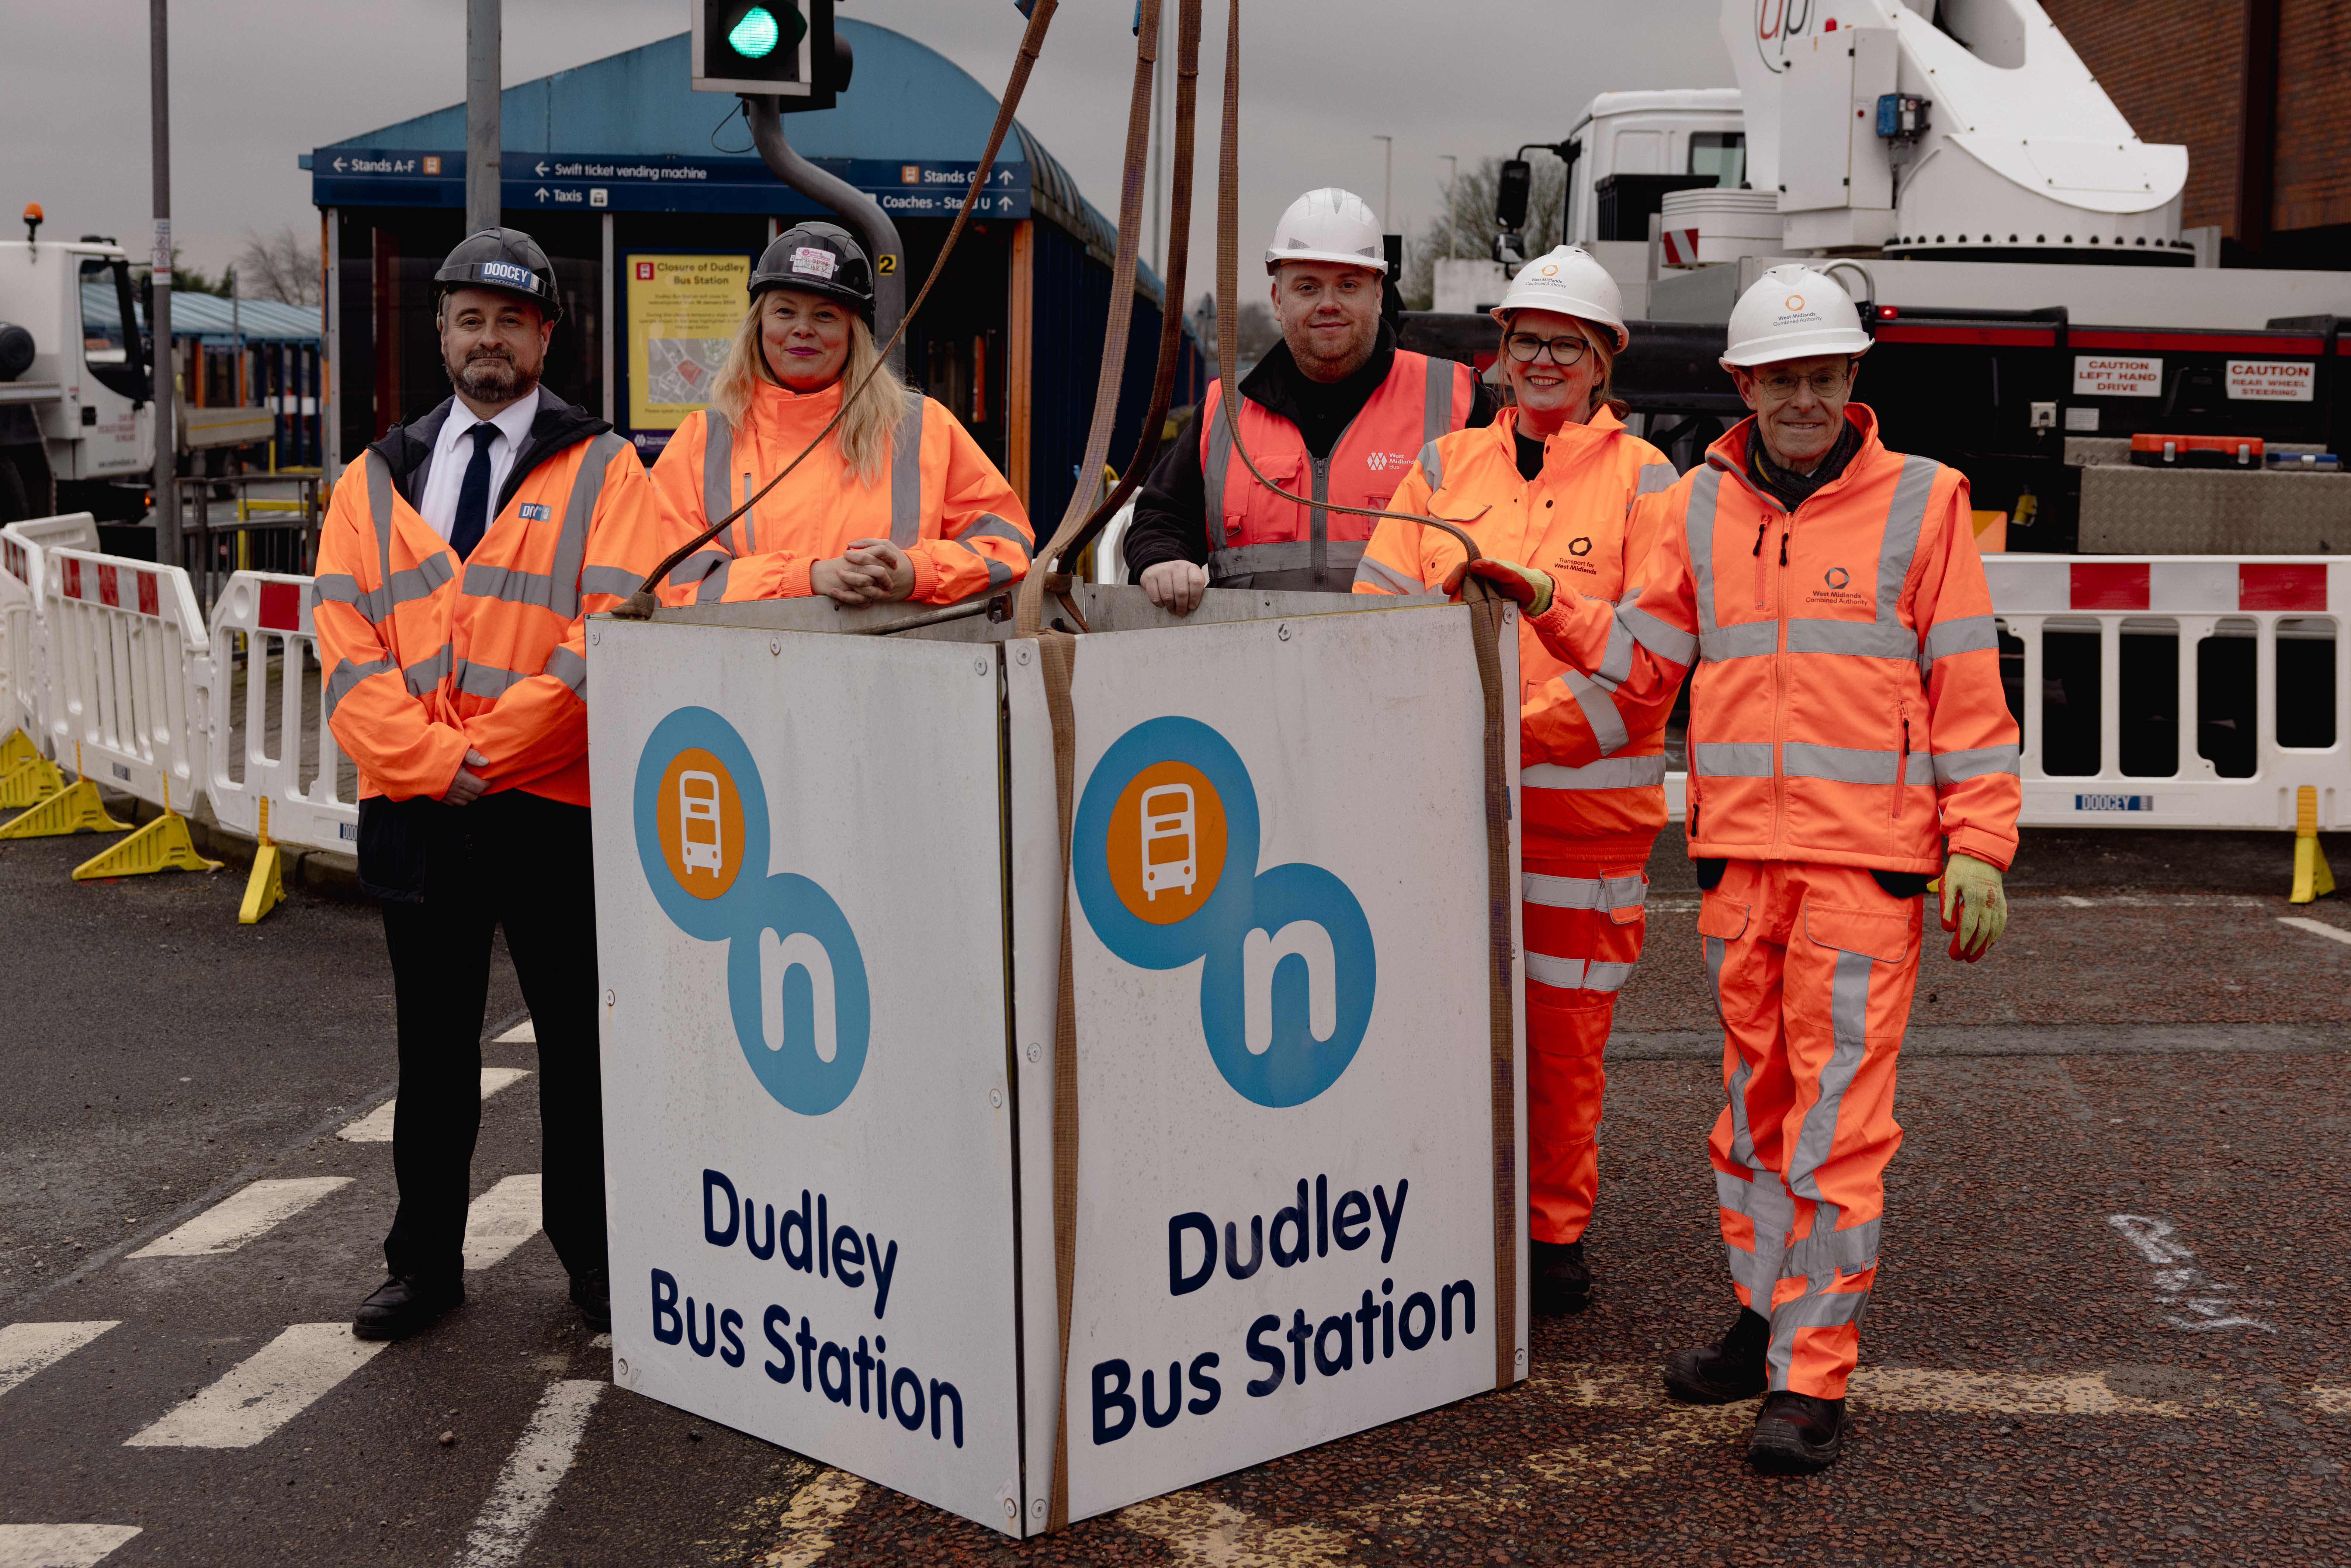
<point x="1165" y="857"/>
<point x="795" y="978"/>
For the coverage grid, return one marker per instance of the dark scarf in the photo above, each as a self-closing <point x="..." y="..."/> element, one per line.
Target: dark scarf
<point x="1793" y="489"/>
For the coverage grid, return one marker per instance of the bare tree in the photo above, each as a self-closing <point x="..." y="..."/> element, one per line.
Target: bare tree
<point x="1467" y="228"/>
<point x="278" y="267"/>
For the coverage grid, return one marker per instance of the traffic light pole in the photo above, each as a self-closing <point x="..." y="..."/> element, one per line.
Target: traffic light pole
<point x="861" y="213"/>
<point x="158" y="311"/>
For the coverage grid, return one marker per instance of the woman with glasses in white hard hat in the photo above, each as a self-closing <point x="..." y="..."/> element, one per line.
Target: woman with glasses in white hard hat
<point x="1555" y="476"/>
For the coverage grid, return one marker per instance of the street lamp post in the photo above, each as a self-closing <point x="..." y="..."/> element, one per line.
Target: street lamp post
<point x="159" y="309"/>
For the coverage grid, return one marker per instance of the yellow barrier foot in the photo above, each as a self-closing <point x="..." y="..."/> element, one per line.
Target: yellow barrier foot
<point x="76" y="808"/>
<point x="265" y="890"/>
<point x="29" y="783"/>
<point x="2312" y="879"/>
<point x="16" y="749"/>
<point x="162" y="844"/>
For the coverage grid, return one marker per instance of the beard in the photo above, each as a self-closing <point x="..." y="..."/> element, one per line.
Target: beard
<point x="491" y="375"/>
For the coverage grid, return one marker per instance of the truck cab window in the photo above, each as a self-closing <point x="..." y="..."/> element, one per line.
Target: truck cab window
<point x="109" y="318"/>
<point x="1722" y="154"/>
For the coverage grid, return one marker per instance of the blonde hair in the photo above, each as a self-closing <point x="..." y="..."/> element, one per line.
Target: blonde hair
<point x="863" y="434"/>
<point x="1602" y="344"/>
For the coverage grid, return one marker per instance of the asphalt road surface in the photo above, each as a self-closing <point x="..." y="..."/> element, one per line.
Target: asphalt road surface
<point x="2113" y="1323"/>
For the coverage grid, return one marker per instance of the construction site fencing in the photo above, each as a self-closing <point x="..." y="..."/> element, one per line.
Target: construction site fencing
<point x="280" y="756"/>
<point x="26" y="678"/>
<point x="132" y="670"/>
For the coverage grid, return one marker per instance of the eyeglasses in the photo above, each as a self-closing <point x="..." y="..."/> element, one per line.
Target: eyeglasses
<point x="1526" y="347"/>
<point x="1780" y="384"/>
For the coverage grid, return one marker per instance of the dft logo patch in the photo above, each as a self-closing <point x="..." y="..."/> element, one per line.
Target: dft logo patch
<point x="1165" y="857"/>
<point x="700" y="817"/>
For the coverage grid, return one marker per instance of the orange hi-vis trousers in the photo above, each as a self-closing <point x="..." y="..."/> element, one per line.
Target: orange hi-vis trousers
<point x="1813" y="966"/>
<point x="1582" y="924"/>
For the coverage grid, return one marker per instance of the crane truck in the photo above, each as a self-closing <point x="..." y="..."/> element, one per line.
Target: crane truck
<point x="77" y="410"/>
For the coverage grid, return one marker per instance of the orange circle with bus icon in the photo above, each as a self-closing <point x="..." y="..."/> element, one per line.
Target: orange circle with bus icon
<point x="700" y="819"/>
<point x="1166" y="843"/>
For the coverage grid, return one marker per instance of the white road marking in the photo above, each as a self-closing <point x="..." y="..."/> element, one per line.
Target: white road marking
<point x="502" y="1219"/>
<point x="2316" y="927"/>
<point x="536" y="1468"/>
<point x="2332" y="1398"/>
<point x="251" y="1210"/>
<point x="1196" y="1528"/>
<point x="375" y="1127"/>
<point x="2076" y="903"/>
<point x="1925" y="1390"/>
<point x="60" y="1545"/>
<point x="2179" y="1285"/>
<point x="522" y="1033"/>
<point x="29" y="1348"/>
<point x="808" y="1524"/>
<point x="263" y="1392"/>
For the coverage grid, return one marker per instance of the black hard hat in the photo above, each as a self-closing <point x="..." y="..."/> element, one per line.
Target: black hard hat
<point x="503" y="258"/>
<point x="822" y="258"/>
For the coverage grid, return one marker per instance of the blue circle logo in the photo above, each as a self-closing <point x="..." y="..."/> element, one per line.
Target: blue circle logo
<point x="701" y="818"/>
<point x="1165" y="856"/>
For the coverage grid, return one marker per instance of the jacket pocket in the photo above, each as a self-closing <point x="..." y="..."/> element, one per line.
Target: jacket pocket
<point x="1719" y="915"/>
<point x="1283" y="472"/>
<point x="1872" y="934"/>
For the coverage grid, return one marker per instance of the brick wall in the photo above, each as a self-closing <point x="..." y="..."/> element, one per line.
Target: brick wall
<point x="2314" y="153"/>
<point x="2173" y="69"/>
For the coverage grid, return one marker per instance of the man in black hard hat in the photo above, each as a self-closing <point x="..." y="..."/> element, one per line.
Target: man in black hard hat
<point x="460" y="558"/>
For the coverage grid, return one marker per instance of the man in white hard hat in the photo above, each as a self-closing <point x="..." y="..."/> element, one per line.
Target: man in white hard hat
<point x="1335" y="412"/>
<point x="1848" y="740"/>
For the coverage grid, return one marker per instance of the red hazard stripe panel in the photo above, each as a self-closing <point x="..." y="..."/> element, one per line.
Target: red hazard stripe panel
<point x="2197" y="343"/>
<point x="2109" y="585"/>
<point x="1987" y="337"/>
<point x="281" y="606"/>
<point x="2281" y="585"/>
<point x="71" y="577"/>
<point x="110" y="587"/>
<point x="147" y="594"/>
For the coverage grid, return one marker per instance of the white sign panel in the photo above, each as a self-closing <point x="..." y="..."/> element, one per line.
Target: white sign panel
<point x="1286" y="1213"/>
<point x="808" y="1129"/>
<point x="2273" y="380"/>
<point x="2112" y="375"/>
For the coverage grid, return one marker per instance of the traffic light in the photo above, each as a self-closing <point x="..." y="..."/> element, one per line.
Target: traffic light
<point x="787" y="47"/>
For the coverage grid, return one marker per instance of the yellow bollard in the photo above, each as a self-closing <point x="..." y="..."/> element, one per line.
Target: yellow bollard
<point x="265" y="890"/>
<point x="75" y="808"/>
<point x="162" y="844"/>
<point x="2312" y="879"/>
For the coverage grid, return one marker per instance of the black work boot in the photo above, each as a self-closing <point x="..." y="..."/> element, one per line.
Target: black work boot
<point x="1797" y="1435"/>
<point x="1725" y="1371"/>
<point x="404" y="1303"/>
<point x="1562" y="1281"/>
<point x="593" y="1294"/>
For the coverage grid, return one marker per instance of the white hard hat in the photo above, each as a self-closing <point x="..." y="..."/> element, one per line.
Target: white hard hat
<point x="1791" y="313"/>
<point x="1568" y="282"/>
<point x="1329" y="224"/>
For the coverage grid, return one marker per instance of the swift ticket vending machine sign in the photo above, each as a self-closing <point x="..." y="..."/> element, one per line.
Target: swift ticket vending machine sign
<point x="830" y="896"/>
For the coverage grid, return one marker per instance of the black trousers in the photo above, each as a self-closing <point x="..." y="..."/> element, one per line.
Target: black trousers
<point x="521" y="862"/>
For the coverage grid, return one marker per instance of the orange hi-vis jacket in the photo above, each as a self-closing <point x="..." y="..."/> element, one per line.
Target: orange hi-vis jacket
<point x="1847" y="707"/>
<point x="940" y="500"/>
<point x="1576" y="521"/>
<point x="1257" y="539"/>
<point x="425" y="657"/>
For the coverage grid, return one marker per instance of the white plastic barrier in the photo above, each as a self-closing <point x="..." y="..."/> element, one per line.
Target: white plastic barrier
<point x="131" y="672"/>
<point x="26" y="680"/>
<point x="272" y="611"/>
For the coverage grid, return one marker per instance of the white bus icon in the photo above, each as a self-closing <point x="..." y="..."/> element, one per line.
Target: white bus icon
<point x="697" y="823"/>
<point x="1171" y="853"/>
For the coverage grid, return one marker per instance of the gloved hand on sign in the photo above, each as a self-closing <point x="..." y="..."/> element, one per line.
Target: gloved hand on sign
<point x="1530" y="586"/>
<point x="1975" y="906"/>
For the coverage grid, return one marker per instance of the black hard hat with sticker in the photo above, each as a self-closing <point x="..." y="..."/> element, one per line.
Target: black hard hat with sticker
<point x="503" y="258"/>
<point x="821" y="258"/>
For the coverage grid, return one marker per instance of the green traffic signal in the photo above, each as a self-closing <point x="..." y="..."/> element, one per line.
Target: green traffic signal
<point x="756" y="35"/>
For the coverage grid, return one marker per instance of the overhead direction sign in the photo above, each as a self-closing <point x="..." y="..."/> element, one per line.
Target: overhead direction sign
<point x="554" y="181"/>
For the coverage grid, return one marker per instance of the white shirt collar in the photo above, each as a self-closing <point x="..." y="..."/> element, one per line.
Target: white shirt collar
<point x="513" y="422"/>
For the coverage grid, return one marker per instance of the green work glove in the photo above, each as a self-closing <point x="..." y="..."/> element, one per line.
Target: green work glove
<point x="1526" y="584"/>
<point x="1975" y="906"/>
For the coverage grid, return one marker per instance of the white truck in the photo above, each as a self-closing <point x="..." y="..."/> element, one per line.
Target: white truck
<point x="77" y="414"/>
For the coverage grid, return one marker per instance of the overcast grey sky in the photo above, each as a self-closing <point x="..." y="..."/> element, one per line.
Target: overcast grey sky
<point x="252" y="84"/>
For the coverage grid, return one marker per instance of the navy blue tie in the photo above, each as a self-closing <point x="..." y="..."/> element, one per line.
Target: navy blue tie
<point x="473" y="496"/>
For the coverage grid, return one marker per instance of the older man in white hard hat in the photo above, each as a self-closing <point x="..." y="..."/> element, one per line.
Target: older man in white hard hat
<point x="1335" y="412"/>
<point x="1848" y="740"/>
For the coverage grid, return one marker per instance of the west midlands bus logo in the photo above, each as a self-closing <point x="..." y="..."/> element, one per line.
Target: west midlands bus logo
<point x="702" y="825"/>
<point x="1165" y="857"/>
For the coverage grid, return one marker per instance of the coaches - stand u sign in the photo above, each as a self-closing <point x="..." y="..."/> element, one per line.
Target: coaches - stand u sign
<point x="831" y="911"/>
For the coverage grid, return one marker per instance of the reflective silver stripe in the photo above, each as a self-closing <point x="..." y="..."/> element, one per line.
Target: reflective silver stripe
<point x="906" y="474"/>
<point x="718" y="489"/>
<point x="1960" y="634"/>
<point x="1577" y="974"/>
<point x="1818" y="1309"/>
<point x="1385" y="577"/>
<point x="1951" y="766"/>
<point x="1285" y="555"/>
<point x="1698" y="531"/>
<point x="508" y="585"/>
<point x="991" y="526"/>
<point x="1829" y="1249"/>
<point x="1586" y="892"/>
<point x="1766" y="1205"/>
<point x="426" y="674"/>
<point x="569" y="668"/>
<point x="579" y="514"/>
<point x="379" y="483"/>
<point x="1746" y="639"/>
<point x="1905" y="516"/>
<point x="1670" y="644"/>
<point x="1599" y="711"/>
<point x="1432" y="464"/>
<point x="1436" y="384"/>
<point x="1616" y="662"/>
<point x="1863" y="639"/>
<point x="713" y="588"/>
<point x="1608" y="773"/>
<point x="1655" y="478"/>
<point x="999" y="574"/>
<point x="347" y="674"/>
<point x="489" y="680"/>
<point x="618" y="581"/>
<point x="1731" y="758"/>
<point x="1602" y="976"/>
<point x="1214" y="465"/>
<point x="342" y="587"/>
<point x="1853" y="763"/>
<point x="697" y="566"/>
<point x="1849" y="1024"/>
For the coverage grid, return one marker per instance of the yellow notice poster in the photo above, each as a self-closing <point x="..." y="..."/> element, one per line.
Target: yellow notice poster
<point x="682" y="311"/>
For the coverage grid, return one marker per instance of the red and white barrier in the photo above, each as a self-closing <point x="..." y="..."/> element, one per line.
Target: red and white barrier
<point x="272" y="612"/>
<point x="131" y="672"/>
<point x="26" y="678"/>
